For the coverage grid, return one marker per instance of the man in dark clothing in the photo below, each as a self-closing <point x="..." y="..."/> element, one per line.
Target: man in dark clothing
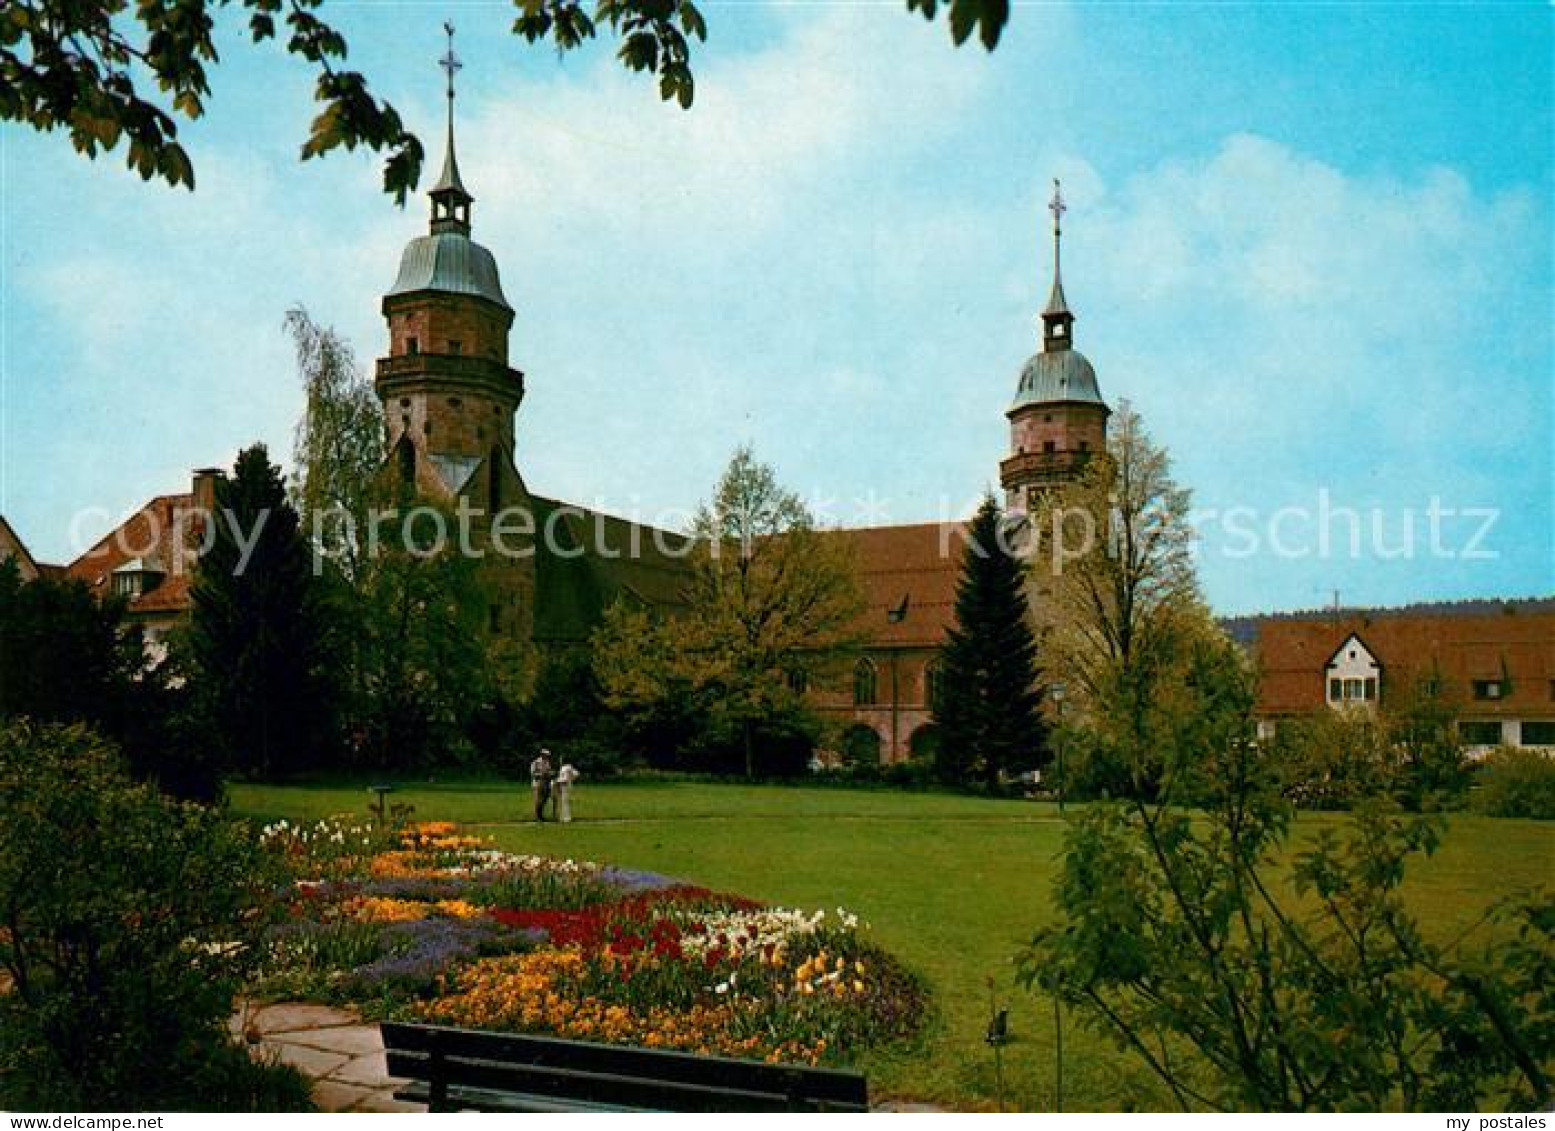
<point x="540" y="777"/>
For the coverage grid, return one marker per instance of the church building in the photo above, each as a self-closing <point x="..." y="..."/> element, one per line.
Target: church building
<point x="450" y="396"/>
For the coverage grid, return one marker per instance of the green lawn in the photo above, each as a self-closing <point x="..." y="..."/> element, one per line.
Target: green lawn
<point x="951" y="884"/>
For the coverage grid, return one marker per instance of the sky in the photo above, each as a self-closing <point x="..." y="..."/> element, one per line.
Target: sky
<point x="1310" y="244"/>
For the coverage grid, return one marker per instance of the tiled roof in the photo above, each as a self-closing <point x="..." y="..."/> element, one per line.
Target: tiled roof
<point x="148" y="533"/>
<point x="11" y="545"/>
<point x="921" y="563"/>
<point x="1516" y="645"/>
<point x="619" y="558"/>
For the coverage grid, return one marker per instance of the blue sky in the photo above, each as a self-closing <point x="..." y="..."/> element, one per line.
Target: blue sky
<point x="1311" y="244"/>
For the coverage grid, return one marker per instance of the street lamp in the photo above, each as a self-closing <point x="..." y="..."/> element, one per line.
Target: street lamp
<point x="895" y="616"/>
<point x="1057" y="692"/>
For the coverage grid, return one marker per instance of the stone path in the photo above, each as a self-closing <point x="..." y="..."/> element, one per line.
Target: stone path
<point x="340" y="1053"/>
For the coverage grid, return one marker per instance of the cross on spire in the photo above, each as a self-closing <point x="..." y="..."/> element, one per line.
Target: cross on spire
<point x="1057" y="207"/>
<point x="1057" y="321"/>
<point x="450" y="201"/>
<point x="450" y="63"/>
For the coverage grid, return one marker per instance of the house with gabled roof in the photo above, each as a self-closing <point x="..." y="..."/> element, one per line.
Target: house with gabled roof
<point x="1494" y="662"/>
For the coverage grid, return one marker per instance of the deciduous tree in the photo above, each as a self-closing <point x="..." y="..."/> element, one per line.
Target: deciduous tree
<point x="772" y="605"/>
<point x="1129" y="634"/>
<point x="1246" y="987"/>
<point x="339" y="444"/>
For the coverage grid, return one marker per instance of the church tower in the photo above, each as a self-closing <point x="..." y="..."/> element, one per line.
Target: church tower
<point x="1058" y="420"/>
<point x="449" y="395"/>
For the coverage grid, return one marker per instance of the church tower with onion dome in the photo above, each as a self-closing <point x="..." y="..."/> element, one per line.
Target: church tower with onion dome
<point x="1058" y="420"/>
<point x="449" y="395"/>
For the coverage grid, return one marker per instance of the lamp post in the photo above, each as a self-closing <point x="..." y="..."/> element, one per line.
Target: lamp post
<point x="895" y="616"/>
<point x="1057" y="692"/>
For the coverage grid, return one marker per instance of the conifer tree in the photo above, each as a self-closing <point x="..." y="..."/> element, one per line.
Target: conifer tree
<point x="258" y="628"/>
<point x="988" y="710"/>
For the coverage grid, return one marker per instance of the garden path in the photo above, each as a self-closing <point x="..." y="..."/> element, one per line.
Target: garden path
<point x="334" y="1048"/>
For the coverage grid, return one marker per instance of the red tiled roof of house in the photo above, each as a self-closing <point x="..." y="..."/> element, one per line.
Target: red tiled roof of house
<point x="150" y="533"/>
<point x="1516" y="646"/>
<point x="921" y="563"/>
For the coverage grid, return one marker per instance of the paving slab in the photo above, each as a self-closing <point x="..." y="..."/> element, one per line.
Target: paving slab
<point x="312" y="1062"/>
<point x="371" y="1070"/>
<point x="290" y="1017"/>
<point x="352" y="1040"/>
<point x="330" y="1096"/>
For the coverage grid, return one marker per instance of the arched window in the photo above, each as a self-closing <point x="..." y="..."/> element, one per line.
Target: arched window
<point x="861" y="746"/>
<point x="931" y="685"/>
<point x="864" y="683"/>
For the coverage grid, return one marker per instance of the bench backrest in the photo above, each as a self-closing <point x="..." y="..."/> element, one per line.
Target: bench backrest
<point x="623" y="1075"/>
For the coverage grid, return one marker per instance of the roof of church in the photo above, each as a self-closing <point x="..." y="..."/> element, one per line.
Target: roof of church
<point x="602" y="559"/>
<point x="452" y="262"/>
<point x="1059" y="372"/>
<point x="1057" y="375"/>
<point x="920" y="563"/>
<point x="1057" y="303"/>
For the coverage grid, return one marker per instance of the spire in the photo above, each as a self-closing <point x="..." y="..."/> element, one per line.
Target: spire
<point x="1057" y="321"/>
<point x="450" y="200"/>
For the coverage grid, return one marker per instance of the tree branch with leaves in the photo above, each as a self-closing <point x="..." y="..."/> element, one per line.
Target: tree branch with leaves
<point x="106" y="71"/>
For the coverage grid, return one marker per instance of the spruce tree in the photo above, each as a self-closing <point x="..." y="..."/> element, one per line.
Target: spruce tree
<point x="258" y="628"/>
<point x="988" y="710"/>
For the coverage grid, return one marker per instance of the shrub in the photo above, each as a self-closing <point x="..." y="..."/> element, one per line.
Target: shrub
<point x="131" y="920"/>
<point x="1333" y="760"/>
<point x="1516" y="782"/>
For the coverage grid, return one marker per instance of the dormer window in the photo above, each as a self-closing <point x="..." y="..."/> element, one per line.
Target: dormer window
<point x="136" y="578"/>
<point x="1354" y="675"/>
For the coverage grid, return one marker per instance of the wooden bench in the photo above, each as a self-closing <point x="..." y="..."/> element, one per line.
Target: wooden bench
<point x="472" y="1070"/>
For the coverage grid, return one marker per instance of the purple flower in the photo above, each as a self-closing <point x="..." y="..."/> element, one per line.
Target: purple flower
<point x="426" y="889"/>
<point x="420" y="950"/>
<point x="631" y="880"/>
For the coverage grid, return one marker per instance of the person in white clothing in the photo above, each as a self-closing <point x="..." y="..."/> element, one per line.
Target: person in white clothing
<point x="564" y="779"/>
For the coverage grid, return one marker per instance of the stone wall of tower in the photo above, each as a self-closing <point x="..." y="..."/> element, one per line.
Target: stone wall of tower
<point x="447" y="417"/>
<point x="1067" y="427"/>
<point x="446" y="382"/>
<point x="1050" y="445"/>
<point x="449" y="324"/>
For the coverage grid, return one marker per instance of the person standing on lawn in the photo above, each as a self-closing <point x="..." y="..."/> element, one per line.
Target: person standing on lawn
<point x="540" y="777"/>
<point x="564" y="779"/>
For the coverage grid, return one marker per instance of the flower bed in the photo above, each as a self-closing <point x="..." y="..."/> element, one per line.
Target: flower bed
<point x="434" y="924"/>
